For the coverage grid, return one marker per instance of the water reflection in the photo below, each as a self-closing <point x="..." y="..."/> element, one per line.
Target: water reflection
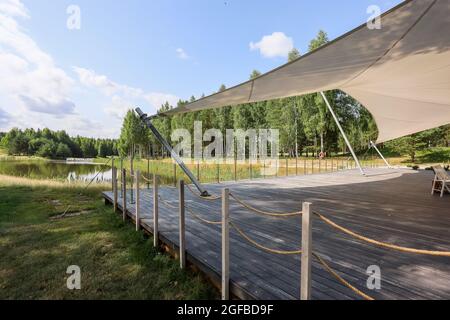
<point x="57" y="170"/>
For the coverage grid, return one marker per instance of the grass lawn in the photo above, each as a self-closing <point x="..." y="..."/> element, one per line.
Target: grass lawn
<point x="116" y="262"/>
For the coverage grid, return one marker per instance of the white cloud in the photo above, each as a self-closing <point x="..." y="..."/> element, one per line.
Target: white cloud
<point x="275" y="45"/>
<point x="13" y="8"/>
<point x="181" y="54"/>
<point x="29" y="77"/>
<point x="123" y="97"/>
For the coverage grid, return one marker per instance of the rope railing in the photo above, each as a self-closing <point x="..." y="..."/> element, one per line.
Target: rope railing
<point x="209" y="198"/>
<point x="340" y="279"/>
<point x="265" y="213"/>
<point x="145" y="179"/>
<point x="197" y="217"/>
<point x="380" y="243"/>
<point x="256" y="244"/>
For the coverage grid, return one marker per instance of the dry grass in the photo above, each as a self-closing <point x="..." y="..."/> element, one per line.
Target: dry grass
<point x="20" y="181"/>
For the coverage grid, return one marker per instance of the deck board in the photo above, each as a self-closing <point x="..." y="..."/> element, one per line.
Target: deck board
<point x="391" y="205"/>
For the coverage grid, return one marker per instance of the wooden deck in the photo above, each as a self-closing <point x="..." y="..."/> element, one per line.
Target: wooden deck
<point x="394" y="206"/>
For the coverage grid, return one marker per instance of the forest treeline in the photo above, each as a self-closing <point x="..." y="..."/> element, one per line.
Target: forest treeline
<point x="50" y="144"/>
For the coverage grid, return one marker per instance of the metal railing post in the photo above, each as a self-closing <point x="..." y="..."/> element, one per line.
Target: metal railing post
<point x="112" y="169"/>
<point x="182" y="225"/>
<point x="124" y="194"/>
<point x="225" y="244"/>
<point x="132" y="180"/>
<point x="235" y="168"/>
<point x="138" y="207"/>
<point x="287" y="167"/>
<point x="148" y="172"/>
<point x="155" y="211"/>
<point x="121" y="170"/>
<point x="305" y="282"/>
<point x="115" y="183"/>
<point x="218" y="172"/>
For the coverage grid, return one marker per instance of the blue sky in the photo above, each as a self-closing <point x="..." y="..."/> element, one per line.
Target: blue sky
<point x="144" y="52"/>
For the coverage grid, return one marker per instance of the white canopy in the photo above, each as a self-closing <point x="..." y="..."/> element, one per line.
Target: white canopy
<point x="400" y="73"/>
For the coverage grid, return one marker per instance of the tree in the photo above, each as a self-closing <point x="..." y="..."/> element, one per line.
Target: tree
<point x="318" y="41"/>
<point x="47" y="150"/>
<point x="133" y="134"/>
<point x="255" y="74"/>
<point x="63" y="151"/>
<point x="293" y="55"/>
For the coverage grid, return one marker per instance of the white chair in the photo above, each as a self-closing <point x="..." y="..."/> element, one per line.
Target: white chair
<point x="441" y="176"/>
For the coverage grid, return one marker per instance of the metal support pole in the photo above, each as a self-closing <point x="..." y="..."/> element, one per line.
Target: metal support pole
<point x="174" y="174"/>
<point x="287" y="167"/>
<point x="124" y="194"/>
<point x="121" y="170"/>
<point x="342" y="132"/>
<point x="115" y="183"/>
<point x="148" y="171"/>
<point x="182" y="225"/>
<point x="381" y="155"/>
<point x="112" y="173"/>
<point x="175" y="156"/>
<point x="305" y="285"/>
<point x="225" y="245"/>
<point x="155" y="211"/>
<point x="132" y="180"/>
<point x="138" y="207"/>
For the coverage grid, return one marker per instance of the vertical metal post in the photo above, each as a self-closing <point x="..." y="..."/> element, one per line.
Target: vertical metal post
<point x="287" y="167"/>
<point x="264" y="168"/>
<point x="124" y="193"/>
<point x="148" y="171"/>
<point x="342" y="132"/>
<point x="121" y="170"/>
<point x="218" y="172"/>
<point x="112" y="169"/>
<point x="182" y="225"/>
<point x="277" y="165"/>
<point x="305" y="168"/>
<point x="175" y="174"/>
<point x="155" y="211"/>
<point x="225" y="245"/>
<point x="235" y="168"/>
<point x="115" y="192"/>
<point x="381" y="155"/>
<point x="306" y="258"/>
<point x="138" y="207"/>
<point x="132" y="179"/>
<point x="296" y="164"/>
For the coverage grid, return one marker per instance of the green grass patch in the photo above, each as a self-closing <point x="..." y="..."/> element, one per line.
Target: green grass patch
<point x="116" y="262"/>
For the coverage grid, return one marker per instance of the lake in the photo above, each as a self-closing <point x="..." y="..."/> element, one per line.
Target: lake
<point x="56" y="170"/>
